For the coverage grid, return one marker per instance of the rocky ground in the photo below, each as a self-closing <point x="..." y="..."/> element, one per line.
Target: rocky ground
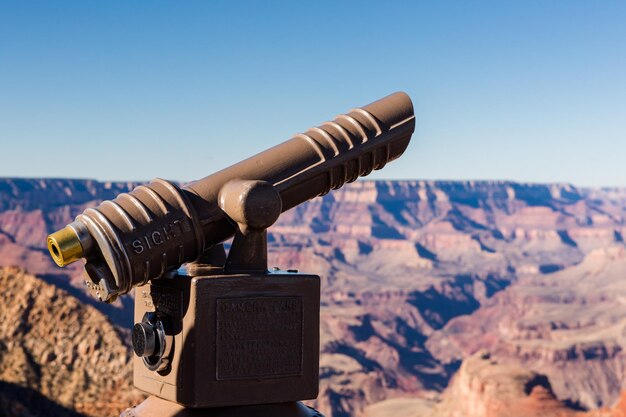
<point x="417" y="276"/>
<point x="58" y="356"/>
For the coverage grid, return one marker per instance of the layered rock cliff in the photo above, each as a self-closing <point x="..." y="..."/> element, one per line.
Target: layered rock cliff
<point x="484" y="387"/>
<point x="569" y="324"/>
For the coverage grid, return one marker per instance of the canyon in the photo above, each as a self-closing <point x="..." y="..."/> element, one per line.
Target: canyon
<point x="427" y="287"/>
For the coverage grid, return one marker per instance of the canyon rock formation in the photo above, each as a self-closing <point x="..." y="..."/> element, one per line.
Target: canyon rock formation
<point x="417" y="276"/>
<point x="483" y="387"/>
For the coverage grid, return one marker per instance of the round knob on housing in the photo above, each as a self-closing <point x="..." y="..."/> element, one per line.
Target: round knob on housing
<point x="144" y="339"/>
<point x="151" y="343"/>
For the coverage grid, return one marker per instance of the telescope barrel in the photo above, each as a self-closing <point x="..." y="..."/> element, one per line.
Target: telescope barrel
<point x="140" y="235"/>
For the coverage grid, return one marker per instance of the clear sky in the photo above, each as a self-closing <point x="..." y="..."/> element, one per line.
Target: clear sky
<point x="131" y="90"/>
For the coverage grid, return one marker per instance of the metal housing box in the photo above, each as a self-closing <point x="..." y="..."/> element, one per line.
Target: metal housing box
<point x="237" y="339"/>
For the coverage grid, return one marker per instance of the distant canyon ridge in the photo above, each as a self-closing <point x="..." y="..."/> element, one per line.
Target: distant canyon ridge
<point x="431" y="291"/>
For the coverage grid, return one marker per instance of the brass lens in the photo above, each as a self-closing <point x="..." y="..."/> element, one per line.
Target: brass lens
<point x="65" y="247"/>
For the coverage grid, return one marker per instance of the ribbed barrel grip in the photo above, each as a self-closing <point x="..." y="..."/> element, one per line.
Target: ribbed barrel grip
<point x="351" y="146"/>
<point x="140" y="235"/>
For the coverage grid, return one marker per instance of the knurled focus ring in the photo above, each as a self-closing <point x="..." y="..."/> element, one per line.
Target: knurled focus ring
<point x="144" y="340"/>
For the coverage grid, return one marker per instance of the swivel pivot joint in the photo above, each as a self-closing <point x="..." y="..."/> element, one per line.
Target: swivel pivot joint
<point x="253" y="206"/>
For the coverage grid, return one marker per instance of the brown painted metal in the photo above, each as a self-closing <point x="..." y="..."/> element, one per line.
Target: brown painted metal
<point x="232" y="339"/>
<point x="144" y="234"/>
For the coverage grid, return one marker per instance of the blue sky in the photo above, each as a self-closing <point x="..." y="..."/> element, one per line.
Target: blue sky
<point x="527" y="90"/>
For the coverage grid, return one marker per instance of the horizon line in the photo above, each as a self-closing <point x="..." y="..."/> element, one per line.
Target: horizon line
<point x="361" y="179"/>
